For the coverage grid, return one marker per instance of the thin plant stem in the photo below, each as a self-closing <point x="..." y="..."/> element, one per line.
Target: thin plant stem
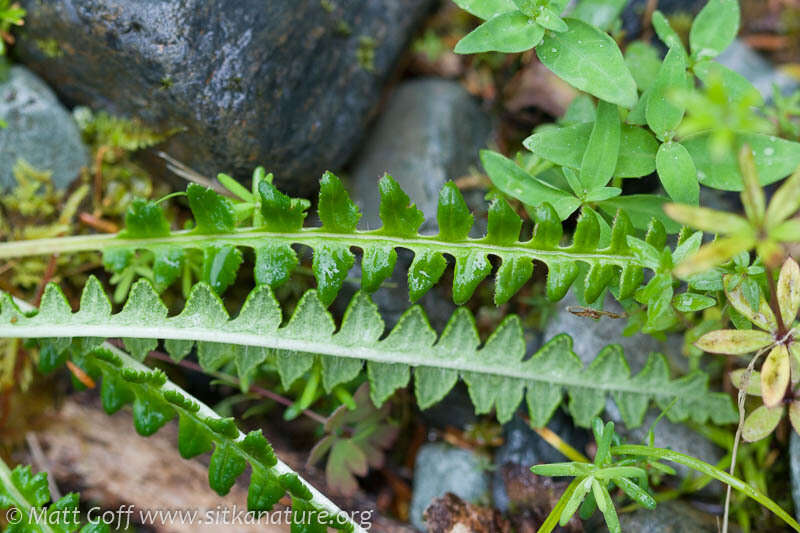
<point x="265" y="393"/>
<point x="705" y="468"/>
<point x="740" y="403"/>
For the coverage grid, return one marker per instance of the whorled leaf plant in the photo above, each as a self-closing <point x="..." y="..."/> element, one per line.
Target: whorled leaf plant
<point x="778" y="337"/>
<point x="626" y="466"/>
<point x="270" y="223"/>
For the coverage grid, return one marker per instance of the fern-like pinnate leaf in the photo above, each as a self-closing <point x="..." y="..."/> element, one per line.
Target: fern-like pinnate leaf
<point x="155" y="401"/>
<point x="276" y="225"/>
<point x="497" y="372"/>
<point x="28" y="493"/>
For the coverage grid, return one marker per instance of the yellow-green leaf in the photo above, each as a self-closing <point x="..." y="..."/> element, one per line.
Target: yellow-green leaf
<point x="789" y="291"/>
<point x="753" y="384"/>
<point x="763" y="317"/>
<point x="786" y="200"/>
<point x="713" y="254"/>
<point x="788" y="231"/>
<point x="734" y="341"/>
<point x="794" y="416"/>
<point x="752" y="194"/>
<point x="761" y="423"/>
<point x="708" y="220"/>
<point x="775" y="376"/>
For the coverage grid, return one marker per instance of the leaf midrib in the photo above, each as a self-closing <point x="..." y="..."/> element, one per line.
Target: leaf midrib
<point x="242" y="236"/>
<point x="277" y="341"/>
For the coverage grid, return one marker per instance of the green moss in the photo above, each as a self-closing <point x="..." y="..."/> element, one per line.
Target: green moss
<point x="49" y="47"/>
<point x="365" y="54"/>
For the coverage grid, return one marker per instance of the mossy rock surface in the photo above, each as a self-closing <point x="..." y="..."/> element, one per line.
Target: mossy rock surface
<point x="282" y="83"/>
<point x="38" y="130"/>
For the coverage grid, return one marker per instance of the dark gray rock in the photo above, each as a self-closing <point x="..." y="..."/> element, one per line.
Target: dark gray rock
<point x="634" y="10"/>
<point x="522" y="447"/>
<point x="669" y="517"/>
<point x="794" y="469"/>
<point x="761" y="73"/>
<point x="38" y="130"/>
<point x="286" y="83"/>
<point x="671" y="435"/>
<point x="441" y="468"/>
<point x="430" y="132"/>
<point x="590" y="335"/>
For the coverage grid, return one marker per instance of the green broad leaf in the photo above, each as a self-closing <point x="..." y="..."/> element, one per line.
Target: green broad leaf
<point x="115" y="393"/>
<point x="471" y="269"/>
<point x="591" y="61"/>
<point x="761" y="422"/>
<point x="736" y="86"/>
<point x="454" y="217"/>
<point x="644" y="63"/>
<point x="560" y="276"/>
<point x="509" y="32"/>
<point x="514" y="181"/>
<point x="566" y="146"/>
<point x="336" y="210"/>
<point x="213" y="213"/>
<point x="504" y="224"/>
<point x="220" y="265"/>
<point x="264" y="492"/>
<point x="641" y="208"/>
<point x="32" y="487"/>
<point x="274" y="264"/>
<point x="600" y="158"/>
<point x="688" y="302"/>
<point x="193" y="437"/>
<point x="167" y="266"/>
<point x="511" y="277"/>
<point x="399" y="218"/>
<point x="550" y="20"/>
<point x="775" y="158"/>
<point x="280" y="213"/>
<point x="598" y="13"/>
<point x="145" y="219"/>
<point x="225" y="466"/>
<point x="664" y="116"/>
<point x="485" y="9"/>
<point x="603" y="193"/>
<point x="150" y="413"/>
<point x="668" y="35"/>
<point x="424" y="272"/>
<point x="580" y="110"/>
<point x="714" y="28"/>
<point x="644" y="252"/>
<point x="377" y="264"/>
<point x="677" y="173"/>
<point x="331" y="264"/>
<point x="734" y="341"/>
